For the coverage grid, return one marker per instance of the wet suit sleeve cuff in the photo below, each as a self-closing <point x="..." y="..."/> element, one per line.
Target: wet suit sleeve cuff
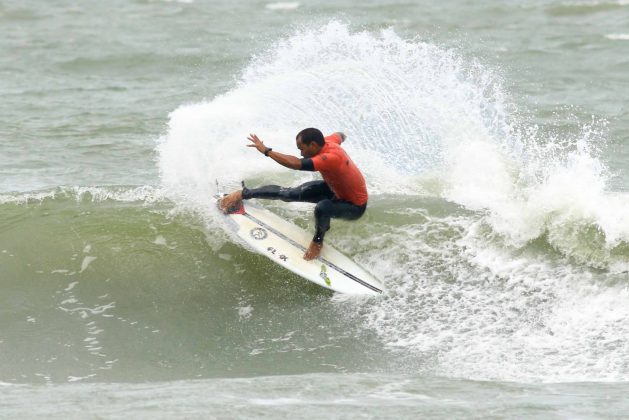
<point x="307" y="165"/>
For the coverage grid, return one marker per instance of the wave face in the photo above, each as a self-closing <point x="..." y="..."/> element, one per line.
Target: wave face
<point x="503" y="252"/>
<point x="109" y="285"/>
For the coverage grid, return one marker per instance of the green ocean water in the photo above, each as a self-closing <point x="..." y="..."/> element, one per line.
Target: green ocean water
<point x="494" y="140"/>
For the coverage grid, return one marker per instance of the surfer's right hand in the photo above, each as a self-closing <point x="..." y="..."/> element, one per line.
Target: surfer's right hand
<point x="257" y="143"/>
<point x="230" y="200"/>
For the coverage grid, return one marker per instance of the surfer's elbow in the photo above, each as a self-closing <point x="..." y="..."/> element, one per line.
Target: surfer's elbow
<point x="293" y="163"/>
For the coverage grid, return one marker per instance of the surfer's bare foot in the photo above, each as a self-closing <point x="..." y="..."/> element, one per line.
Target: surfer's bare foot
<point x="230" y="200"/>
<point x="313" y="251"/>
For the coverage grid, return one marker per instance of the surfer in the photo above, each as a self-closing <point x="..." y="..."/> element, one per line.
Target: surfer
<point x="341" y="194"/>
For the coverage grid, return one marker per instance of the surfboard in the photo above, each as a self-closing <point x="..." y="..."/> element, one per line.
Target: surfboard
<point x="284" y="243"/>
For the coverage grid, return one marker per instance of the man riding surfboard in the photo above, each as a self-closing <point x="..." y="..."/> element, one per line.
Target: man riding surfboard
<point x="341" y="194"/>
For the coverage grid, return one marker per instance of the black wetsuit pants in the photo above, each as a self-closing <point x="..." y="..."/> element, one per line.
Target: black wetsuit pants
<point x="311" y="192"/>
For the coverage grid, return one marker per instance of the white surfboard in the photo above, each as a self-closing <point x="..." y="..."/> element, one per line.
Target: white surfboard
<point x="285" y="244"/>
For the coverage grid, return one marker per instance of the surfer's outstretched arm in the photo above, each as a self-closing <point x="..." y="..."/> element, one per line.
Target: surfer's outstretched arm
<point x="288" y="161"/>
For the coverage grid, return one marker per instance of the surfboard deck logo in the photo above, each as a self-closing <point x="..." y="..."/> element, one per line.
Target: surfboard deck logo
<point x="258" y="233"/>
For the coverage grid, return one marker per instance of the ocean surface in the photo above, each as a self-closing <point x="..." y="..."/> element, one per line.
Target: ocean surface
<point x="494" y="137"/>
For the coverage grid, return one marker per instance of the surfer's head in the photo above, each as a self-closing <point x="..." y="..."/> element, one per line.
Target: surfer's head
<point x="309" y="142"/>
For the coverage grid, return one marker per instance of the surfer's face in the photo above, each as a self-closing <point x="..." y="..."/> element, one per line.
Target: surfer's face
<point x="308" y="150"/>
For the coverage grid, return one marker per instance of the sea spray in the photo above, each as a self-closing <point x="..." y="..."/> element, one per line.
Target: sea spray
<point x="399" y="102"/>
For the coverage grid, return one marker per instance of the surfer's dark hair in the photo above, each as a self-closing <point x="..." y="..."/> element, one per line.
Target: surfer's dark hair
<point x="308" y="135"/>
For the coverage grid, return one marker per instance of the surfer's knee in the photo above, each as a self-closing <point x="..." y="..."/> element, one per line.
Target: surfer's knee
<point x="269" y="192"/>
<point x="323" y="209"/>
<point x="290" y="194"/>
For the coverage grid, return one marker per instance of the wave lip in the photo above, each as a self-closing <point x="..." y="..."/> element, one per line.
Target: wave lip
<point x="144" y="193"/>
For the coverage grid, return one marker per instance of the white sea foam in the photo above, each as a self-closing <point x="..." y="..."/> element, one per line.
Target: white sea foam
<point x="71" y="286"/>
<point x="244" y="312"/>
<point x="469" y="308"/>
<point x="86" y="262"/>
<point x="160" y="240"/>
<point x="79" y="378"/>
<point x="289" y="5"/>
<point x="618" y="37"/>
<point x="560" y="195"/>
